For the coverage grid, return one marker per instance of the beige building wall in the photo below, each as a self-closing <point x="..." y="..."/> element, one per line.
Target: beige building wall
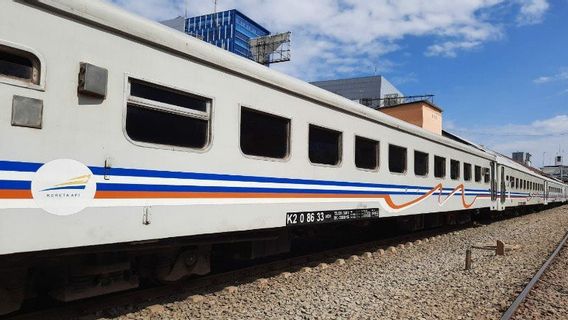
<point x="419" y="114"/>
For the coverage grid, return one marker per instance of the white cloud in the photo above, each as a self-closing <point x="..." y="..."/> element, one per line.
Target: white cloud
<point x="538" y="137"/>
<point x="561" y="75"/>
<point x="341" y="37"/>
<point x="532" y="11"/>
<point x="450" y="48"/>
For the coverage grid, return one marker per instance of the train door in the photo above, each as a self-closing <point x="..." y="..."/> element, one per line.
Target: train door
<point x="494" y="205"/>
<point x="545" y="192"/>
<point x="503" y="189"/>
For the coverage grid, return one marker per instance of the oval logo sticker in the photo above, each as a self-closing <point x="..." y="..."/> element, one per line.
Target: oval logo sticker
<point x="63" y="187"/>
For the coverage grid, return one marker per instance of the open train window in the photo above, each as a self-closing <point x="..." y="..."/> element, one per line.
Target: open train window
<point x="454" y="169"/>
<point x="477" y="172"/>
<point x="397" y="159"/>
<point x="439" y="167"/>
<point x="420" y="163"/>
<point x="366" y="153"/>
<point x="467" y="171"/>
<point x="164" y="116"/>
<point x="324" y="145"/>
<point x="20" y="65"/>
<point x="264" y="134"/>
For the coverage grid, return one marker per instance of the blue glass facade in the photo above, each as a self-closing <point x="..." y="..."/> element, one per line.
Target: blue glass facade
<point x="229" y="30"/>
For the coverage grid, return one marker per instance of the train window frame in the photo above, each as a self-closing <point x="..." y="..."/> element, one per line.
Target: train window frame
<point x="38" y="62"/>
<point x="467" y="172"/>
<point x="477" y="173"/>
<point x="453" y="165"/>
<point x="425" y="175"/>
<point x="339" y="162"/>
<point x="486" y="172"/>
<point x="445" y="167"/>
<point x="271" y="114"/>
<point x="405" y="159"/>
<point x="377" y="152"/>
<point x="152" y="105"/>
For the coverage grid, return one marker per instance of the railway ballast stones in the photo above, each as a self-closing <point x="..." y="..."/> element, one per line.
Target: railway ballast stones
<point x="354" y="258"/>
<point x="323" y="266"/>
<point x="230" y="289"/>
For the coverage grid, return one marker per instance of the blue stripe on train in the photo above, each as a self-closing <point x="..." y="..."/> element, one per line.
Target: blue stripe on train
<point x="170" y="188"/>
<point x="32" y="167"/>
<point x="15" y="185"/>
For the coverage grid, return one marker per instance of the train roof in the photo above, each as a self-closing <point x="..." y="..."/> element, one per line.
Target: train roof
<point x="111" y="18"/>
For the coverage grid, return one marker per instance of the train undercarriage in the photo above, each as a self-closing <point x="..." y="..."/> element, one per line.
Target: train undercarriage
<point x="68" y="275"/>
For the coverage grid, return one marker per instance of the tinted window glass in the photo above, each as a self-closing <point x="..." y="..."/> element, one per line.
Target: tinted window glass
<point x="152" y="126"/>
<point x="166" y="95"/>
<point x="19" y="64"/>
<point x="477" y="173"/>
<point x="439" y="167"/>
<point x="150" y="121"/>
<point x="366" y="153"/>
<point x="324" y="145"/>
<point x="467" y="171"/>
<point x="420" y="163"/>
<point x="397" y="159"/>
<point x="454" y="169"/>
<point x="263" y="134"/>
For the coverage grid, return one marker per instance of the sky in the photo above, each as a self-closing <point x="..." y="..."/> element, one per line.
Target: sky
<point x="498" y="68"/>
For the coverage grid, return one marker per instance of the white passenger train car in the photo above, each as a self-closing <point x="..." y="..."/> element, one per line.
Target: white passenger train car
<point x="117" y="133"/>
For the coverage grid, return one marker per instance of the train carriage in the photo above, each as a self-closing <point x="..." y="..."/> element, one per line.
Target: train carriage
<point x="119" y="135"/>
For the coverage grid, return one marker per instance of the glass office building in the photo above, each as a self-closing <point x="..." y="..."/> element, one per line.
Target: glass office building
<point x="230" y="30"/>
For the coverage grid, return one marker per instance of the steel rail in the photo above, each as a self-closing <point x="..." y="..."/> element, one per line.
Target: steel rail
<point x="523" y="295"/>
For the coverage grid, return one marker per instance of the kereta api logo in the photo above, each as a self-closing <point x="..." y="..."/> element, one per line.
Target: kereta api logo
<point x="63" y="187"/>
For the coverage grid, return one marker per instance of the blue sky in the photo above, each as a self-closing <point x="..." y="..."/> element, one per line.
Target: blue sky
<point x="498" y="68"/>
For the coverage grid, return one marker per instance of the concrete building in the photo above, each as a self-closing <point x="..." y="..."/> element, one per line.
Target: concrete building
<point x="365" y="90"/>
<point x="420" y="113"/>
<point x="558" y="170"/>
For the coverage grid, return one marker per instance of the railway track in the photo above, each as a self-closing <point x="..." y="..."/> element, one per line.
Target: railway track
<point x="145" y="297"/>
<point x="511" y="311"/>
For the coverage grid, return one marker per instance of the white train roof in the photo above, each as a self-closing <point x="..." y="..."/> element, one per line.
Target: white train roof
<point x="120" y="21"/>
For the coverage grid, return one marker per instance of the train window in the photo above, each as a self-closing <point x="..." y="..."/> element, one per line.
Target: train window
<point x="324" y="145"/>
<point x="19" y="64"/>
<point x="420" y="163"/>
<point x="439" y="167"/>
<point x="516" y="183"/>
<point x="264" y="134"/>
<point x="486" y="175"/>
<point x="397" y="159"/>
<point x="477" y="170"/>
<point x="467" y="171"/>
<point x="164" y="116"/>
<point x="167" y="96"/>
<point x="454" y="169"/>
<point x="366" y="153"/>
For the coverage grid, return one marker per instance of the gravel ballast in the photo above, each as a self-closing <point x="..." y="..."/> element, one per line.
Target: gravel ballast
<point x="425" y="280"/>
<point x="549" y="298"/>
